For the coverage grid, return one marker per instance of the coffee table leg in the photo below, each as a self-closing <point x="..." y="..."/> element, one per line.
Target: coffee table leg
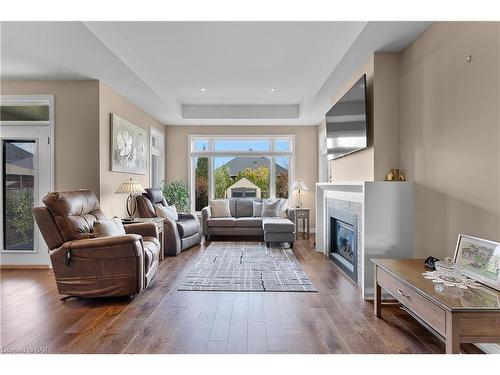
<point x="452" y="334"/>
<point x="377" y="295"/>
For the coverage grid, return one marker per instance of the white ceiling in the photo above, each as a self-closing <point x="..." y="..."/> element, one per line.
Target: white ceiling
<point x="161" y="66"/>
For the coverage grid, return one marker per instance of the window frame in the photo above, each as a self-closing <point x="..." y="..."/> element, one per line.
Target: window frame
<point x="27" y="100"/>
<point x="160" y="152"/>
<point x="211" y="155"/>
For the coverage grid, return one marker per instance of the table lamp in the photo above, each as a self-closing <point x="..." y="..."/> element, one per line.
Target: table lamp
<point x="300" y="187"/>
<point x="130" y="187"/>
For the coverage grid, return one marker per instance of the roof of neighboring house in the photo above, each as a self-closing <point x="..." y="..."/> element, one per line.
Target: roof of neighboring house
<point x="240" y="163"/>
<point x="19" y="161"/>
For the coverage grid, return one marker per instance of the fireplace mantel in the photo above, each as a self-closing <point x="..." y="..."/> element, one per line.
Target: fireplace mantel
<point x="387" y="211"/>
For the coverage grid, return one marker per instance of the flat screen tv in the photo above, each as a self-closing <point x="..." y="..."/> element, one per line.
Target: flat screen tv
<point x="346" y="122"/>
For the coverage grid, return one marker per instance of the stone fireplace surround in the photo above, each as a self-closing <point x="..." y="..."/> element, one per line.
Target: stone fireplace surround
<point x="385" y="211"/>
<point x="339" y="209"/>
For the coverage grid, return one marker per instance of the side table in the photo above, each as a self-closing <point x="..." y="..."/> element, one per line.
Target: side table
<point x="304" y="214"/>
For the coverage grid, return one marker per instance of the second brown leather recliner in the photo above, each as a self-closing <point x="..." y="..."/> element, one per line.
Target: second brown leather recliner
<point x="95" y="267"/>
<point x="178" y="235"/>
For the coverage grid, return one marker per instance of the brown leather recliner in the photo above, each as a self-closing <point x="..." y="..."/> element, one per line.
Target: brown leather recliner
<point x="178" y="235"/>
<point x="95" y="267"/>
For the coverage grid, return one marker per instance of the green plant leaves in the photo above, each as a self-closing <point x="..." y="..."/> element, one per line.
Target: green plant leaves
<point x="176" y="193"/>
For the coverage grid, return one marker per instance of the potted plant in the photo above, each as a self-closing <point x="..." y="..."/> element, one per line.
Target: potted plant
<point x="176" y="193"/>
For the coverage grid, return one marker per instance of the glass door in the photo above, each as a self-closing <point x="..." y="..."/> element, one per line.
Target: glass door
<point x="18" y="182"/>
<point x="26" y="176"/>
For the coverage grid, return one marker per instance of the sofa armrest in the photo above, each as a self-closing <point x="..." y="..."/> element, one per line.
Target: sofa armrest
<point x="206" y="213"/>
<point x="171" y="237"/>
<point x="126" y="246"/>
<point x="142" y="229"/>
<point x="291" y="214"/>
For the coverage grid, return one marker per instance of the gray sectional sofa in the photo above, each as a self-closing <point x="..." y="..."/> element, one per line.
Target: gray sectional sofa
<point x="242" y="222"/>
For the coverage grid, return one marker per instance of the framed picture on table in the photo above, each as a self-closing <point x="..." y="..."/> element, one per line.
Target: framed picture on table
<point x="479" y="259"/>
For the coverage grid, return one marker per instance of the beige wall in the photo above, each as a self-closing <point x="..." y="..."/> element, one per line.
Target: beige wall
<point x="358" y="166"/>
<point x="385" y="113"/>
<point x="111" y="102"/>
<point x="450" y="133"/>
<point x="306" y="155"/>
<point x="76" y="116"/>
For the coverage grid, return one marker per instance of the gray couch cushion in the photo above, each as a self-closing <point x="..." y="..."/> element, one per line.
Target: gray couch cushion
<point x="278" y="225"/>
<point x="221" y="222"/>
<point x="219" y="208"/>
<point x="187" y="227"/>
<point x="271" y="208"/>
<point x="244" y="208"/>
<point x="257" y="209"/>
<point x="232" y="206"/>
<point x="249" y="222"/>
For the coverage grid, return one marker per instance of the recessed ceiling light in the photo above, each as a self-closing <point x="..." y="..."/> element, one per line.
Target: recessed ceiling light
<point x="272" y="89"/>
<point x="203" y="89"/>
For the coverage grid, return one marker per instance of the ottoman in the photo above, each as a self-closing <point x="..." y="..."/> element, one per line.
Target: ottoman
<point x="277" y="229"/>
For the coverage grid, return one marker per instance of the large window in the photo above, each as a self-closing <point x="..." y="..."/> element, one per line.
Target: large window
<point x="225" y="167"/>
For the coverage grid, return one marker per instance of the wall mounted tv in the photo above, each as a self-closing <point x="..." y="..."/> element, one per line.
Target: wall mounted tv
<point x="346" y="122"/>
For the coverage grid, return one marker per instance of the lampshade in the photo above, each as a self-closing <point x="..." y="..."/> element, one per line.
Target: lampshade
<point x="130" y="187"/>
<point x="299" y="185"/>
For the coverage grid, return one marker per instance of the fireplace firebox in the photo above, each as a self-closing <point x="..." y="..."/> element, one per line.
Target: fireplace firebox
<point x="343" y="241"/>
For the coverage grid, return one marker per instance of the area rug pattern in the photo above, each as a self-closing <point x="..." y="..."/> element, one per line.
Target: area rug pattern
<point x="247" y="267"/>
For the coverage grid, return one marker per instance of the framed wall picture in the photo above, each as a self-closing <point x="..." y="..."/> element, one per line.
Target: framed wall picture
<point x="129" y="144"/>
<point x="480" y="259"/>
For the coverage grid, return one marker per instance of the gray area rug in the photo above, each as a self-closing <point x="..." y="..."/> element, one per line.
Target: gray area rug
<point x="247" y="267"/>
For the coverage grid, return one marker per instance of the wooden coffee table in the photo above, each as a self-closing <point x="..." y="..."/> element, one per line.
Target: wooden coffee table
<point x="456" y="316"/>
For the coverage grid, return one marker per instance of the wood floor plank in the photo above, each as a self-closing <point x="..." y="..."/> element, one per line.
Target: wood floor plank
<point x="222" y="323"/>
<point x="216" y="347"/>
<point x="238" y="332"/>
<point x="257" y="338"/>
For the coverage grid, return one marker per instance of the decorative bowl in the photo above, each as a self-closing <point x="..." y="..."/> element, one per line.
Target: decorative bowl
<point x="449" y="271"/>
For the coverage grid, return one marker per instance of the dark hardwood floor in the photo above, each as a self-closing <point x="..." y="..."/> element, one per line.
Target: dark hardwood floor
<point x="164" y="320"/>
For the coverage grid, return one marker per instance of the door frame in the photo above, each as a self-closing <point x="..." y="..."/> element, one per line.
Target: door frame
<point x="50" y="124"/>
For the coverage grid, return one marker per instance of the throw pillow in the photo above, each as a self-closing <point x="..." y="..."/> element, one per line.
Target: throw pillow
<point x="271" y="208"/>
<point x="283" y="207"/>
<point x="168" y="212"/>
<point x="257" y="209"/>
<point x="106" y="228"/>
<point x="220" y="208"/>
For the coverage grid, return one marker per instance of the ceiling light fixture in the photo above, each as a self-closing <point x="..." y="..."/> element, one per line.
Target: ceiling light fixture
<point x="272" y="89"/>
<point x="203" y="89"/>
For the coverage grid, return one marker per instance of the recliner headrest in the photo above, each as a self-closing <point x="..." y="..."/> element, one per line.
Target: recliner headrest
<point x="74" y="212"/>
<point x="155" y="195"/>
